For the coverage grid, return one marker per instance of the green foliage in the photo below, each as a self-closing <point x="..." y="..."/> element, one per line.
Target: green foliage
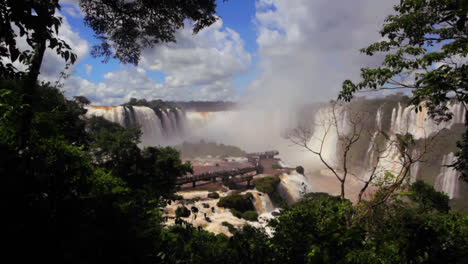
<point x="88" y="174"/>
<point x="180" y="244"/>
<point x="36" y="27"/>
<point x="424" y="44"/>
<point x="276" y="167"/>
<point x="315" y="231"/>
<point x="182" y="211"/>
<point x="106" y="184"/>
<point x="201" y="149"/>
<point x="213" y="195"/>
<point x="230" y="227"/>
<point x="300" y="170"/>
<point x="127" y="28"/>
<point x="462" y="154"/>
<point x="427" y="198"/>
<point x="236" y="213"/>
<point x="266" y="184"/>
<point x="247" y="215"/>
<point x="416" y="27"/>
<point x="250" y="215"/>
<point x="190" y="245"/>
<point x="238" y="202"/>
<point x="269" y="186"/>
<point x="414" y="230"/>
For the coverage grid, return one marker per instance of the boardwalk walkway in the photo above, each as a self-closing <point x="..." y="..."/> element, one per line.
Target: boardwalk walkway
<point x="235" y="175"/>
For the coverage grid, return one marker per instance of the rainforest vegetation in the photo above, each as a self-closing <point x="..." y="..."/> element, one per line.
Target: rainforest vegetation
<point x="78" y="190"/>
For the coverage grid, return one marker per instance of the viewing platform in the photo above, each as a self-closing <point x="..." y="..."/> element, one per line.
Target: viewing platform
<point x="245" y="174"/>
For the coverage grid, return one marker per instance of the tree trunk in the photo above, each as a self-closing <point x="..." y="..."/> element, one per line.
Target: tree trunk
<point x="29" y="88"/>
<point x="342" y="189"/>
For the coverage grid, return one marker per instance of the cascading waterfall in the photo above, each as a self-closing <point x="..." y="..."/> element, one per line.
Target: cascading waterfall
<point x="447" y="180"/>
<point x="155" y="130"/>
<point x="419" y="124"/>
<point x="151" y="126"/>
<point x="114" y="114"/>
<point x="404" y="119"/>
<point x="169" y="126"/>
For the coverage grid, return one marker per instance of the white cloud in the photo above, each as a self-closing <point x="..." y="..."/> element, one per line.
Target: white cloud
<point x="119" y="86"/>
<point x="88" y="69"/>
<point x="208" y="59"/>
<point x="53" y="64"/>
<point x="308" y="48"/>
<point x="73" y="11"/>
<point x="196" y="67"/>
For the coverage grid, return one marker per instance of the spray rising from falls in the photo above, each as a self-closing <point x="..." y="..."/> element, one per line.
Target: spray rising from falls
<point x="254" y="129"/>
<point x="381" y="149"/>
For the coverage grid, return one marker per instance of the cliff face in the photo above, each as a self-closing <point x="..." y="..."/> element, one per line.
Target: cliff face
<point x="384" y="122"/>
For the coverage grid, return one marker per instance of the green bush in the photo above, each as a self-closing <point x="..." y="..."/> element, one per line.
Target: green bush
<point x="239" y="202"/>
<point x="213" y="195"/>
<point x="250" y="215"/>
<point x="229" y="184"/>
<point x="182" y="211"/>
<point x="266" y="184"/>
<point x="230" y="227"/>
<point x="176" y="197"/>
<point x="193" y="200"/>
<point x="276" y="167"/>
<point x="247" y="215"/>
<point x="236" y="213"/>
<point x="300" y="170"/>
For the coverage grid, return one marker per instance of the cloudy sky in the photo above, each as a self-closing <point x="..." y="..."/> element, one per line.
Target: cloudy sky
<point x="283" y="50"/>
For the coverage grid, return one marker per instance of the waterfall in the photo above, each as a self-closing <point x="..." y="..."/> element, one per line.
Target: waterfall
<point x="155" y="131"/>
<point x="325" y="130"/>
<point x="419" y="124"/>
<point x="173" y="120"/>
<point x="447" y="180"/>
<point x="378" y="119"/>
<point x="114" y="114"/>
<point x="168" y="127"/>
<point x="150" y="124"/>
<point x="293" y="186"/>
<point x="262" y="202"/>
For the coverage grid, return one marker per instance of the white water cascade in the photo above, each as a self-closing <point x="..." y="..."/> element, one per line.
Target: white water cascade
<point x="420" y="125"/>
<point x="151" y="126"/>
<point x="447" y="180"/>
<point x="114" y="114"/>
<point x="155" y="131"/>
<point x="404" y="119"/>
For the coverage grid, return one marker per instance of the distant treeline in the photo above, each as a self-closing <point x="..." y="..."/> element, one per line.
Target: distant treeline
<point x="196" y="106"/>
<point x="202" y="148"/>
<point x="212" y="106"/>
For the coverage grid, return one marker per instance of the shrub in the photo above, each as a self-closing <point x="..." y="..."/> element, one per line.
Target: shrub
<point x="176" y="197"/>
<point x="266" y="184"/>
<point x="182" y="211"/>
<point x="228" y="183"/>
<point x="276" y="167"/>
<point x="250" y="215"/>
<point x="236" y="213"/>
<point x="247" y="215"/>
<point x="300" y="170"/>
<point x="239" y="202"/>
<point x="230" y="227"/>
<point x="193" y="200"/>
<point x="213" y="195"/>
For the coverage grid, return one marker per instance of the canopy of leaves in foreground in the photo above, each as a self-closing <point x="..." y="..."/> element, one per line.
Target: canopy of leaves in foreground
<point x="426" y="52"/>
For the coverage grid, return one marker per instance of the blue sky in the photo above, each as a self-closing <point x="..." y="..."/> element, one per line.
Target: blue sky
<point x="236" y="14"/>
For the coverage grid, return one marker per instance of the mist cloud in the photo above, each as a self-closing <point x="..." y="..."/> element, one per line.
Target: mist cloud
<point x="308" y="48"/>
